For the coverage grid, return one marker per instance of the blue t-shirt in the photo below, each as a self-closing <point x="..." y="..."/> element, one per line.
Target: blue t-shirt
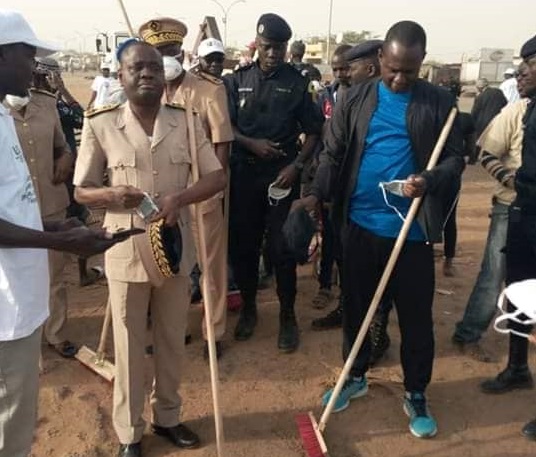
<point x="387" y="156"/>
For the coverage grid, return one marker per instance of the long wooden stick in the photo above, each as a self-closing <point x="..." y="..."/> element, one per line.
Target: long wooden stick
<point x="208" y="300"/>
<point x="104" y="331"/>
<point x="127" y="20"/>
<point x="412" y="213"/>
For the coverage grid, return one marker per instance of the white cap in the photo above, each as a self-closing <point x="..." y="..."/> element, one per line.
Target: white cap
<point x="15" y="29"/>
<point x="209" y="46"/>
<point x="510" y="71"/>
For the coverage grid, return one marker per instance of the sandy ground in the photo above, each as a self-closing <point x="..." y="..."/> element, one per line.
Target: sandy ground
<point x="262" y="390"/>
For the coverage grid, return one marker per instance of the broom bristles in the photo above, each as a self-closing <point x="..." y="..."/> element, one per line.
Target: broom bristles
<point x="97" y="364"/>
<point x="312" y="440"/>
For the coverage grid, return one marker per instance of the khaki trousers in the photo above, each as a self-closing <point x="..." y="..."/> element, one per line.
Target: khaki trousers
<point x="55" y="324"/>
<point x="19" y="388"/>
<point x="169" y="307"/>
<point x="213" y="224"/>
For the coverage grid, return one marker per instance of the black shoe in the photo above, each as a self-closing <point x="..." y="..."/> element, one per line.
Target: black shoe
<point x="332" y="320"/>
<point x="509" y="379"/>
<point x="129" y="450"/>
<point x="180" y="435"/>
<point x="196" y="296"/>
<point x="379" y="338"/>
<point x="66" y="349"/>
<point x="529" y="430"/>
<point x="289" y="336"/>
<point x="246" y="324"/>
<point x="219" y="350"/>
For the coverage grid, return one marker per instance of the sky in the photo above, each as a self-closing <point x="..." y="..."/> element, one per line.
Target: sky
<point x="454" y="27"/>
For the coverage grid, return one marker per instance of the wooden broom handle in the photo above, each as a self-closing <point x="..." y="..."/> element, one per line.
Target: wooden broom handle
<point x="412" y="213"/>
<point x="207" y="296"/>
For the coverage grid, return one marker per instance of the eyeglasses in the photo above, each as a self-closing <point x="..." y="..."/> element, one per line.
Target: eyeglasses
<point x="215" y="58"/>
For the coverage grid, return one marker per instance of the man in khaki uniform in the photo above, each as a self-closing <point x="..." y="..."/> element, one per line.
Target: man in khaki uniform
<point x="50" y="162"/>
<point x="143" y="146"/>
<point x="209" y="99"/>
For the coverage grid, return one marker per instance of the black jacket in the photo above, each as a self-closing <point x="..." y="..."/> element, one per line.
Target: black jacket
<point x="487" y="105"/>
<point x="525" y="181"/>
<point x="345" y="141"/>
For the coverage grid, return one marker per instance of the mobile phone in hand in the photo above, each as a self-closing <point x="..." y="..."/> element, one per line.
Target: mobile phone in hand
<point x="147" y="208"/>
<point x="124" y="234"/>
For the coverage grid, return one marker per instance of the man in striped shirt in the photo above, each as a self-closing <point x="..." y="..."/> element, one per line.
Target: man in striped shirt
<point x="500" y="146"/>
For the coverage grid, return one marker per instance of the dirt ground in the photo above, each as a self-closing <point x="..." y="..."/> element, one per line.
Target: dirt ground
<point x="261" y="390"/>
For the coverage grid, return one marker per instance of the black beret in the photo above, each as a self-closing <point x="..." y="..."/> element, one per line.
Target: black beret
<point x="298" y="232"/>
<point x="529" y="48"/>
<point x="366" y="49"/>
<point x="273" y="27"/>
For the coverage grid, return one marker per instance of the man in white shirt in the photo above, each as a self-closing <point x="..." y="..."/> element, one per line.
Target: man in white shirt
<point x="509" y="86"/>
<point x="24" y="239"/>
<point x="100" y="88"/>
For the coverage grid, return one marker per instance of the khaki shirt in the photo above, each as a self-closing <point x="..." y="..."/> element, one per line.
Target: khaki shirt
<point x="209" y="99"/>
<point x="40" y="132"/>
<point x="114" y="141"/>
<point x="503" y="138"/>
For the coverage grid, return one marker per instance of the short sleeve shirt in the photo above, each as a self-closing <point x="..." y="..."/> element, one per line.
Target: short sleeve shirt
<point x="24" y="281"/>
<point x="278" y="107"/>
<point x="101" y="86"/>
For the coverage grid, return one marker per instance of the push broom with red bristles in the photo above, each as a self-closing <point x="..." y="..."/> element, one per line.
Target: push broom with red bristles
<point x="311" y="431"/>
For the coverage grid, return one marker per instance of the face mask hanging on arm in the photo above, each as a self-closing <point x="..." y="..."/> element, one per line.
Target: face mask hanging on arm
<point x="521" y="296"/>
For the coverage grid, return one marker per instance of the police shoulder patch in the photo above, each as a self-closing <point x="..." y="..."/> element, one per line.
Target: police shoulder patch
<point x="102" y="109"/>
<point x="43" y="92"/>
<point x="311" y="87"/>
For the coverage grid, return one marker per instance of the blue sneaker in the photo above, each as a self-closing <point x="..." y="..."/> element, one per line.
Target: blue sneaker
<point x="421" y="422"/>
<point x="353" y="388"/>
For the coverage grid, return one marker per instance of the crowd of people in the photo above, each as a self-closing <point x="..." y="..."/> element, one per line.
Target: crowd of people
<point x="353" y="155"/>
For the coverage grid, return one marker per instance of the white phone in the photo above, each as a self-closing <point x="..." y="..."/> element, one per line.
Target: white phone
<point x="147" y="208"/>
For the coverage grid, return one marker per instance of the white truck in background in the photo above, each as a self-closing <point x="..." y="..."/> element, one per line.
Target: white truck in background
<point x="106" y="44"/>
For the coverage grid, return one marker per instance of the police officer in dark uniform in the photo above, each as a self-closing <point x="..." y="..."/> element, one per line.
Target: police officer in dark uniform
<point x="521" y="243"/>
<point x="270" y="106"/>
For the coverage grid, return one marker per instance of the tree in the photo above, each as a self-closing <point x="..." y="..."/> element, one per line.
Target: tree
<point x="348" y="37"/>
<point x="353" y="38"/>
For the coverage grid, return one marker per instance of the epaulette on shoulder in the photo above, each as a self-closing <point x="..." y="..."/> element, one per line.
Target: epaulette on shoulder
<point x="102" y="109"/>
<point x="43" y="92"/>
<point x="210" y="78"/>
<point x="176" y="106"/>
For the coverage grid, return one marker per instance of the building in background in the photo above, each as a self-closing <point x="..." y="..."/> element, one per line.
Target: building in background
<point x="489" y="63"/>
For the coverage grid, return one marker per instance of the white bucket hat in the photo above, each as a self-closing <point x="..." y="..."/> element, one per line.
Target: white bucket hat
<point x="15" y="29"/>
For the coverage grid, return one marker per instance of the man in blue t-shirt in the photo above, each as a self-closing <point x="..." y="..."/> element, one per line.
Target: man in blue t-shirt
<point x="385" y="131"/>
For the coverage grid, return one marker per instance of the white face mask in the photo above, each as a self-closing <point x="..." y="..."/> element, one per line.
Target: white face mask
<point x="17" y="103"/>
<point x="277" y="193"/>
<point x="172" y="68"/>
<point x="521" y="295"/>
<point x="395" y="187"/>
